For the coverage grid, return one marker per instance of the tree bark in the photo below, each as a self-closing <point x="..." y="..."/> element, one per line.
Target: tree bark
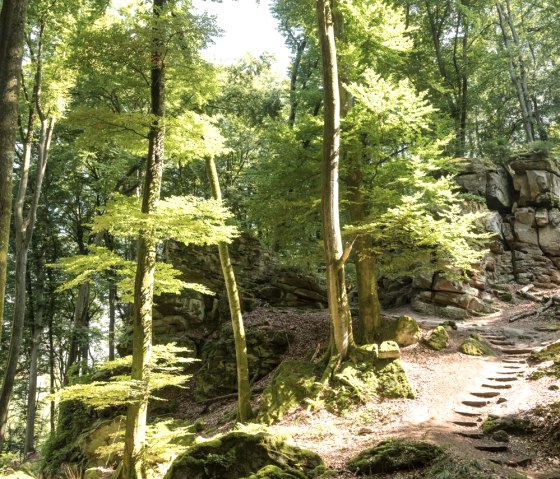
<point x="12" y="25"/>
<point x="366" y="274"/>
<point x="518" y="78"/>
<point x="243" y="380"/>
<point x="336" y="287"/>
<point x="133" y="467"/>
<point x="37" y="331"/>
<point x="24" y="235"/>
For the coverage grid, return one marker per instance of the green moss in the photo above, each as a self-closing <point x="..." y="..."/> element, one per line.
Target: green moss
<point x="275" y="472"/>
<point x="510" y="424"/>
<point x="404" y="331"/>
<point x="239" y="455"/>
<point x="218" y="375"/>
<point x="447" y="467"/>
<point x="551" y="352"/>
<point x="394" y="455"/>
<point x="292" y="383"/>
<point x="392" y="380"/>
<point x="438" y="339"/>
<point x="75" y="422"/>
<point x="474" y="346"/>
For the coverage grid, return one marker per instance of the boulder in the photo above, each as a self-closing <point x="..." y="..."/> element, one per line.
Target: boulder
<point x="293" y="381"/>
<point x="438" y="338"/>
<point x="474" y="346"/>
<point x="242" y="455"/>
<point x="218" y="375"/>
<point x="389" y="350"/>
<point x="549" y="239"/>
<point x="394" y="455"/>
<point x="406" y="331"/>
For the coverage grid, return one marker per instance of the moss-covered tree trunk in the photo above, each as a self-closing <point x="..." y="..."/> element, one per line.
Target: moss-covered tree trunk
<point x="334" y="252"/>
<point x="243" y="385"/>
<point x="12" y="25"/>
<point x="133" y="464"/>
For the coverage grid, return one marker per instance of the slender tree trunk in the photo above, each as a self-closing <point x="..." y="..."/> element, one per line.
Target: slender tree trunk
<point x="519" y="83"/>
<point x="29" y="445"/>
<point x="12" y="25"/>
<point x="112" y="315"/>
<point x="133" y="467"/>
<point x="243" y="385"/>
<point x="335" y="254"/>
<point x="293" y="82"/>
<point x="78" y="329"/>
<point x="24" y="235"/>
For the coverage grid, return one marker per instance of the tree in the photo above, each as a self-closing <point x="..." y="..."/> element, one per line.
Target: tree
<point x="243" y="385"/>
<point x="132" y="467"/>
<point x="335" y="255"/>
<point x="25" y="223"/>
<point x="12" y="25"/>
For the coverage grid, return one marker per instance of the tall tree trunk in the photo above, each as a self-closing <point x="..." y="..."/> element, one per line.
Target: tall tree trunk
<point x="296" y="65"/>
<point x="37" y="331"/>
<point x="24" y="235"/>
<point x="12" y="25"/>
<point x="112" y="315"/>
<point x="518" y="78"/>
<point x="133" y="467"/>
<point x="243" y="385"/>
<point x="339" y="308"/>
<point x="78" y="329"/>
<point x="366" y="274"/>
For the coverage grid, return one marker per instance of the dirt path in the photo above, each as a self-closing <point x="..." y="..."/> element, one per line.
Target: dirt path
<point x="455" y="394"/>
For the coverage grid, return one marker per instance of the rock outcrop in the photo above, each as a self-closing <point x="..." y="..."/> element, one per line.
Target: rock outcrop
<point x="523" y="201"/>
<point x="195" y="316"/>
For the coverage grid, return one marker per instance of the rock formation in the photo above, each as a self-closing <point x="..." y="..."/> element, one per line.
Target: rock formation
<point x="523" y="214"/>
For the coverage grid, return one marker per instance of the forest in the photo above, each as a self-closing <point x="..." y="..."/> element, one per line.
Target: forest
<point x="218" y="271"/>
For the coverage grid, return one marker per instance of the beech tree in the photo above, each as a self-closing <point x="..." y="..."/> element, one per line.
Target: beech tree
<point x="12" y="25"/>
<point x="335" y="254"/>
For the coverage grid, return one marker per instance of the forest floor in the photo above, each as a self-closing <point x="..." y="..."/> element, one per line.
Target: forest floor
<point x="442" y="380"/>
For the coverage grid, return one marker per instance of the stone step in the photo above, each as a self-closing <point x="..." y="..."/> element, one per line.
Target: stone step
<point x="517" y="368"/>
<point x="476" y="403"/>
<point x="522" y="461"/>
<point x="503" y="380"/>
<point x="493" y="337"/>
<point x="515" y="360"/>
<point x="486" y="394"/>
<point x="470" y="435"/>
<point x="468" y="413"/>
<point x="497" y="386"/>
<point x="465" y="423"/>
<point x="512" y="351"/>
<point x="507" y="372"/>
<point x="492" y="447"/>
<point x="498" y="342"/>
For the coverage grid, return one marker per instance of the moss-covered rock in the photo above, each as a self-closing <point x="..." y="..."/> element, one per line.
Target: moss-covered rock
<point x="218" y="374"/>
<point x="510" y="424"/>
<point x="75" y="422"/>
<point x="404" y="331"/>
<point x="389" y="350"/>
<point x="438" y="339"/>
<point x="474" y="346"/>
<point x="550" y="352"/>
<point x="394" y="455"/>
<point x="241" y="455"/>
<point x="292" y="383"/>
<point x="392" y="380"/>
